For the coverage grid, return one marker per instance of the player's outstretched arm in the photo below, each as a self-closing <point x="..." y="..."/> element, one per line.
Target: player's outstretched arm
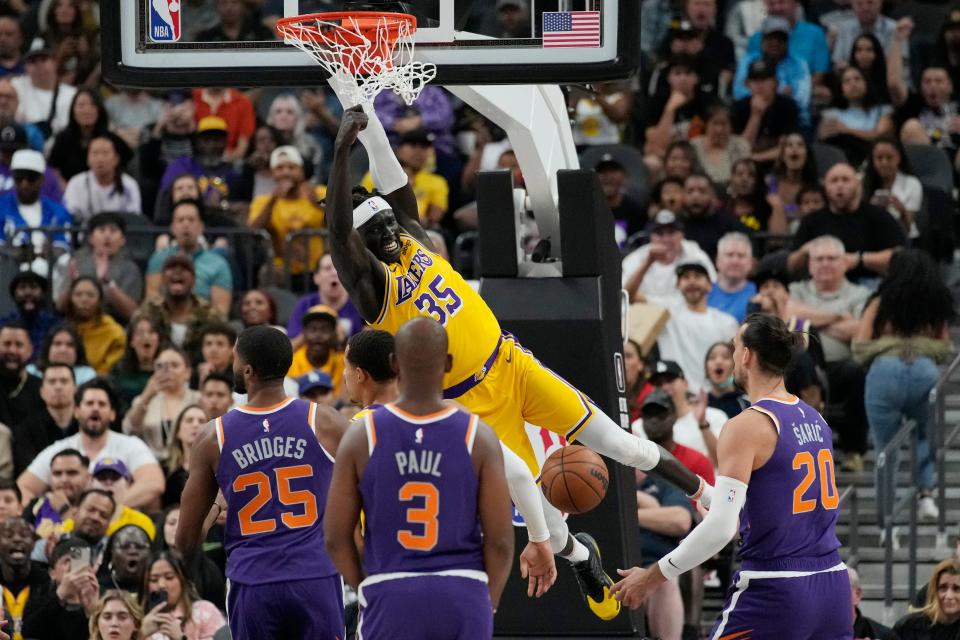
<point x="746" y="442"/>
<point x="360" y="272"/>
<point x="493" y="504"/>
<point x="537" y="563"/>
<point x="200" y="491"/>
<point x="342" y="512"/>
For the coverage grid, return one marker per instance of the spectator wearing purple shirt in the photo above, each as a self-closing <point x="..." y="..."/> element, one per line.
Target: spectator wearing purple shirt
<point x="330" y="293"/>
<point x="216" y="177"/>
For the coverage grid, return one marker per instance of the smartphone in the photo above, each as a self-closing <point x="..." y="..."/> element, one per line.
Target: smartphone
<point x="754" y="307"/>
<point x="80" y="557"/>
<point x="881" y="197"/>
<point x="156" y="598"/>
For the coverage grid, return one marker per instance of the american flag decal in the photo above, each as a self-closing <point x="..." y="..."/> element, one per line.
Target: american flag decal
<point x="571" y="29"/>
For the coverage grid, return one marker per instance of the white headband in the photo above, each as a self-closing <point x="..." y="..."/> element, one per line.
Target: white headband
<point x="369" y="208"/>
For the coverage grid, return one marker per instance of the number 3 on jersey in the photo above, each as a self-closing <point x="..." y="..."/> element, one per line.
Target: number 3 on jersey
<point x="424" y="517"/>
<point x="822" y="467"/>
<point x="441" y="303"/>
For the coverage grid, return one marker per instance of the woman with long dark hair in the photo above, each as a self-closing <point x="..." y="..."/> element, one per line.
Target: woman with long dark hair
<point x="186" y="428"/>
<point x="859" y="116"/>
<point x="867" y="54"/>
<point x="183" y="614"/>
<point x="145" y="340"/>
<point x="103" y="339"/>
<point x="638" y="386"/>
<point x="88" y="119"/>
<point x="888" y="182"/>
<point x="104" y="186"/>
<point x="794" y="169"/>
<point x="904" y="332"/>
<point x="63" y="345"/>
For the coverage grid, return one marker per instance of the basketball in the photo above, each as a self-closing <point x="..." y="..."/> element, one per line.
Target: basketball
<point x="574" y="479"/>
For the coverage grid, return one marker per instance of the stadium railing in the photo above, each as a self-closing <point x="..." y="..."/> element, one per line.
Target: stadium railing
<point x="246" y="251"/>
<point x="887" y="466"/>
<point x="943" y="440"/>
<point x="851" y="495"/>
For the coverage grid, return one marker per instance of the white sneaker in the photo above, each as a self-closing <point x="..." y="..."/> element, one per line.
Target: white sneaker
<point x="927" y="509"/>
<point x="895" y="536"/>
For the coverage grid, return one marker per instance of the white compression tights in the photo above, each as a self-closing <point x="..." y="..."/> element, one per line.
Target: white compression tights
<point x="606" y="437"/>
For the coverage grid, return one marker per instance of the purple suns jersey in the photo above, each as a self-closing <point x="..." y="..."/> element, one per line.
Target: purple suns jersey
<point x="789" y="520"/>
<point x="274" y="475"/>
<point x="420" y="491"/>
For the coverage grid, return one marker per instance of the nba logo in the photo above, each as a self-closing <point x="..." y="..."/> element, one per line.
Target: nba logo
<point x="165" y="20"/>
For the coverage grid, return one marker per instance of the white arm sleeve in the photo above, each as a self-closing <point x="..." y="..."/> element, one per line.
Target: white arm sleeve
<point x="711" y="535"/>
<point x="385" y="169"/>
<point x="525" y="494"/>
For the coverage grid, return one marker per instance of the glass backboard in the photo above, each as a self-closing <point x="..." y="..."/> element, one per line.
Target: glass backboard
<point x="176" y="43"/>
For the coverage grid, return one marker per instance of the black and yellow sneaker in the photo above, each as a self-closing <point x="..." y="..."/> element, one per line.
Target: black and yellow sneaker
<point x="594" y="582"/>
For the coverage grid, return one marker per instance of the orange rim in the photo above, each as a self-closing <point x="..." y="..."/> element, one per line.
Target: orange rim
<point x="364" y="22"/>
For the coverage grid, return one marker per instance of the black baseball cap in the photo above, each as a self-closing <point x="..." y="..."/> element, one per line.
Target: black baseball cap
<point x="665" y="218"/>
<point x="179" y="260"/>
<point x="13" y="137"/>
<point x="765" y="274"/>
<point x="66" y="544"/>
<point x="682" y="29"/>
<point x="682" y="61"/>
<point x="665" y="368"/>
<point x="658" y="398"/>
<point x="417" y="136"/>
<point x="761" y="70"/>
<point x="608" y="161"/>
<point x="28" y="276"/>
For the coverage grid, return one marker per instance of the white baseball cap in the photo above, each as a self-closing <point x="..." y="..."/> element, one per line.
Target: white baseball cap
<point x="28" y="160"/>
<point x="286" y="153"/>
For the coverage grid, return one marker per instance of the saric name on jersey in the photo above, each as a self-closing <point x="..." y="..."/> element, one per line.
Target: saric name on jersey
<point x="807" y="432"/>
<point x="266" y="448"/>
<point x="425" y="462"/>
<point x="409" y="281"/>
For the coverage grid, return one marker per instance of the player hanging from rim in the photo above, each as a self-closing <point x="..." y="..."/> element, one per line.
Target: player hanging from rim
<point x="783" y="449"/>
<point x="388" y="264"/>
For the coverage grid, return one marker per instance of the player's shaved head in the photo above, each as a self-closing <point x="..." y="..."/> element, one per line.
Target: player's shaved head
<point x="420" y="352"/>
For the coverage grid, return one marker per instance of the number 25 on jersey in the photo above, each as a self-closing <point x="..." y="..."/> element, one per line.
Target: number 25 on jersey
<point x="821" y="468"/>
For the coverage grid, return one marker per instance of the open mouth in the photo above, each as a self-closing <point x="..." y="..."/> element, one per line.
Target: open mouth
<point x="391" y="246"/>
<point x="18" y="554"/>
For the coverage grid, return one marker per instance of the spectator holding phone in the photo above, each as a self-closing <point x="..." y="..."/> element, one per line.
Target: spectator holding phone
<point x="889" y="183"/>
<point x="175" y="611"/>
<point x="61" y="611"/>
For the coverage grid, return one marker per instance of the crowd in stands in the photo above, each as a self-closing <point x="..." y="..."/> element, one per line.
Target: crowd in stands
<point x="788" y="157"/>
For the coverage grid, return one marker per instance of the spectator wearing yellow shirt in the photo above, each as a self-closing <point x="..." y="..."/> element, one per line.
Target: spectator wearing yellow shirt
<point x="293" y="205"/>
<point x="320" y="343"/>
<point x="110" y="474"/>
<point x="414" y="152"/>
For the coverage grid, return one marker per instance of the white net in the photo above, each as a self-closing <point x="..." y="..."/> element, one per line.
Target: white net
<point x="375" y="50"/>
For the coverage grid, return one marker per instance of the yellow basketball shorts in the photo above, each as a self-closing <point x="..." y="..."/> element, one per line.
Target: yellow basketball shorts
<point x="516" y="389"/>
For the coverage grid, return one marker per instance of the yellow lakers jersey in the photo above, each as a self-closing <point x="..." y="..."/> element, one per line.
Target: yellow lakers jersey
<point x="424" y="284"/>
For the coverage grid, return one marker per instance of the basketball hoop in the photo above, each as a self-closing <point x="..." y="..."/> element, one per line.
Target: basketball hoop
<point x="375" y="49"/>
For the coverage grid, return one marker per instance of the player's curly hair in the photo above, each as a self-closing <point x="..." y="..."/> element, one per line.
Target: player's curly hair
<point x="360" y="194"/>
